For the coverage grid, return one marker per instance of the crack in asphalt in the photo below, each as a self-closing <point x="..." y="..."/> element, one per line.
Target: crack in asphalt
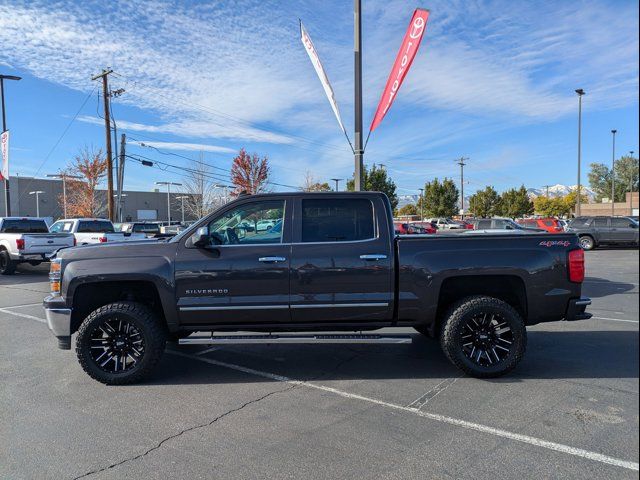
<point x="182" y="432"/>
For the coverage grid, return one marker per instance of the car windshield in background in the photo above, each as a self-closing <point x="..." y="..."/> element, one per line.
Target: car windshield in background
<point x="24" y="226"/>
<point x="95" y="226"/>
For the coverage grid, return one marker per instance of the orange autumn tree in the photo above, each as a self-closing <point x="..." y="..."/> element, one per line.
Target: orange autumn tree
<point x="83" y="197"/>
<point x="249" y="173"/>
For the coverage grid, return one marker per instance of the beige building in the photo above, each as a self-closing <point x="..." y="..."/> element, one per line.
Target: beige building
<point x="627" y="208"/>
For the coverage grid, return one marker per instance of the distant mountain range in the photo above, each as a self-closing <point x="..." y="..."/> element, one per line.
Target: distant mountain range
<point x="559" y="190"/>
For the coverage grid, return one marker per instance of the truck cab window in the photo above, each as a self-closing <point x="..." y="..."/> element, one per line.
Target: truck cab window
<point x="249" y="224"/>
<point x="337" y="220"/>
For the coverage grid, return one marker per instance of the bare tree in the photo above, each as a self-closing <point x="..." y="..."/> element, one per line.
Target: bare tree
<point x="83" y="197"/>
<point x="312" y="185"/>
<point x="203" y="194"/>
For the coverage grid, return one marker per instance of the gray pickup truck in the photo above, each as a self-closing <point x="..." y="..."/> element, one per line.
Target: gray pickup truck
<point x="331" y="262"/>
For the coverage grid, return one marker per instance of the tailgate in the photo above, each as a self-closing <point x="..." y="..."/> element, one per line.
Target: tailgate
<point x="45" y="242"/>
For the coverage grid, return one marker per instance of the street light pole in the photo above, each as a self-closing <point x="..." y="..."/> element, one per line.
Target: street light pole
<point x="168" y="184"/>
<point x="580" y="93"/>
<point x="631" y="185"/>
<point x="7" y="200"/>
<point x="181" y="198"/>
<point x="63" y="177"/>
<point x="357" y="57"/>
<point x="613" y="173"/>
<point x="421" y="204"/>
<point x="37" y="194"/>
<point x="337" y="180"/>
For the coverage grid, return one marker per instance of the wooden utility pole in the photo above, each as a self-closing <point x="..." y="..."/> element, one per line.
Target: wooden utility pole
<point x="123" y="143"/>
<point x="107" y="123"/>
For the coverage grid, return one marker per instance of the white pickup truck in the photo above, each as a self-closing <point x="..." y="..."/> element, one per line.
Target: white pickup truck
<point x="93" y="230"/>
<point x="28" y="240"/>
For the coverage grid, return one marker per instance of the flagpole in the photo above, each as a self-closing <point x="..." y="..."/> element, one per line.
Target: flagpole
<point x="358" y="150"/>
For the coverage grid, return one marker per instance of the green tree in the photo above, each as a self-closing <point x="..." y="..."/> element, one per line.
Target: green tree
<point x="440" y="199"/>
<point x="377" y="180"/>
<point x="625" y="177"/>
<point x="409" y="209"/>
<point x="485" y="203"/>
<point x="571" y="199"/>
<point x="516" y="203"/>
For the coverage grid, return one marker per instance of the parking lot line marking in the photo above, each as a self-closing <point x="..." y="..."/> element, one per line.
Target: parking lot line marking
<point x="558" y="447"/>
<point x="433" y="393"/>
<point x="25" y="305"/>
<point x="616" y="319"/>
<point x="23" y="315"/>
<point x="207" y="350"/>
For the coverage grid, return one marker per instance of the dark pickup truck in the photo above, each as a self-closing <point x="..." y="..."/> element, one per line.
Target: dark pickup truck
<point x="329" y="263"/>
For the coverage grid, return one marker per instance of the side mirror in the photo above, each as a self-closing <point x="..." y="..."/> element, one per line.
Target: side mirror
<point x="633" y="225"/>
<point x="201" y="238"/>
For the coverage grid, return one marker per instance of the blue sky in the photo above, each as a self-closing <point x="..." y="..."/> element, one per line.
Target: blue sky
<point x="493" y="81"/>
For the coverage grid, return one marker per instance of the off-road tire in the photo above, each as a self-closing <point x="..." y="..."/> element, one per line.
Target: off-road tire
<point x="453" y="329"/>
<point x="144" y="320"/>
<point x="587" y="242"/>
<point x="7" y="266"/>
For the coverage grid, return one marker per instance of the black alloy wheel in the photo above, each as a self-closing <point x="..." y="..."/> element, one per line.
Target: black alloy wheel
<point x="120" y="343"/>
<point x="486" y="339"/>
<point x="483" y="336"/>
<point x="117" y="345"/>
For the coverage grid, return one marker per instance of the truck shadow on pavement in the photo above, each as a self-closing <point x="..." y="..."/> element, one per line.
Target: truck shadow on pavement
<point x="26" y="274"/>
<point x="550" y="355"/>
<point x="595" y="287"/>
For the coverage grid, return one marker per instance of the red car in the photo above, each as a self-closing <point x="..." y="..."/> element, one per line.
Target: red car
<point x="414" y="228"/>
<point x="551" y="225"/>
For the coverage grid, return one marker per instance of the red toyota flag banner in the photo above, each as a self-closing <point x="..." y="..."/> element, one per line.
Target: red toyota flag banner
<point x="401" y="66"/>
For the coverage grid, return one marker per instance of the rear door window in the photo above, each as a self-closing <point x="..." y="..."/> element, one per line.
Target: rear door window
<point x="95" y="226"/>
<point x="621" y="223"/>
<point x="483" y="224"/>
<point x="337" y="220"/>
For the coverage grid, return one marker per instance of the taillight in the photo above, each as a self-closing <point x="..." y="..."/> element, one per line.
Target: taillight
<point x="20" y="243"/>
<point x="576" y="266"/>
<point x="55" y="275"/>
<point x="103" y="239"/>
<point x="75" y="241"/>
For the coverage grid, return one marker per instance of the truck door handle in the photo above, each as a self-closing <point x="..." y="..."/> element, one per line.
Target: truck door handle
<point x="271" y="259"/>
<point x="373" y="256"/>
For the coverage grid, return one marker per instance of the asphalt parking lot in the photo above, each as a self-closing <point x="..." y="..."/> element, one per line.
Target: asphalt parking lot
<point x="324" y="411"/>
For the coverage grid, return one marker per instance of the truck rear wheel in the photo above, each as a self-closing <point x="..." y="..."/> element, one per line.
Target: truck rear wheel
<point x="120" y="343"/>
<point x="7" y="266"/>
<point x="483" y="336"/>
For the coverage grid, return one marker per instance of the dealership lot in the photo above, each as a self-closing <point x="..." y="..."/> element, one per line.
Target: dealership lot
<point x="323" y="411"/>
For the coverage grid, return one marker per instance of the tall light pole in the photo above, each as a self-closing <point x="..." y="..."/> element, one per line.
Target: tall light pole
<point x="357" y="63"/>
<point x="120" y="198"/>
<point x="337" y="180"/>
<point x="37" y="194"/>
<point x="613" y="173"/>
<point x="631" y="184"/>
<point x="181" y="198"/>
<point x="7" y="200"/>
<point x="168" y="184"/>
<point x="462" y="164"/>
<point x="421" y="204"/>
<point x="580" y="93"/>
<point x="63" y="177"/>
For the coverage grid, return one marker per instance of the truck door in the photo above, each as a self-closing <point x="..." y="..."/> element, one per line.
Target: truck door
<point x="242" y="274"/>
<point x="602" y="229"/>
<point x="622" y="230"/>
<point x="341" y="261"/>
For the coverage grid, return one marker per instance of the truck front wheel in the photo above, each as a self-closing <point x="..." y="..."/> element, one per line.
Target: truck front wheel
<point x="120" y="343"/>
<point x="483" y="336"/>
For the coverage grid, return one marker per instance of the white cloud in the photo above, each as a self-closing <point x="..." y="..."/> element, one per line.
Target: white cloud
<point x="186" y="147"/>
